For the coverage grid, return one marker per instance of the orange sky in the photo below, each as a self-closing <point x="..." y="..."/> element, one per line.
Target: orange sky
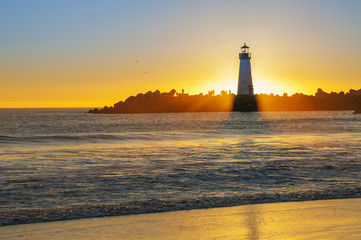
<point x="66" y="54"/>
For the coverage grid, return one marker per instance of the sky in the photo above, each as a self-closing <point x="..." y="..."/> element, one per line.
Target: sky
<point x="92" y="53"/>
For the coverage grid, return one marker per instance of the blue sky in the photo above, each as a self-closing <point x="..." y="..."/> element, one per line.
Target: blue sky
<point x="54" y="52"/>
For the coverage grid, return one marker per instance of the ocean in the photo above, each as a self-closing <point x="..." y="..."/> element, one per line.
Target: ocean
<point x="58" y="164"/>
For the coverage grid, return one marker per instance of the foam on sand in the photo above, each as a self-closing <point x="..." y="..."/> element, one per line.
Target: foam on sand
<point x="321" y="219"/>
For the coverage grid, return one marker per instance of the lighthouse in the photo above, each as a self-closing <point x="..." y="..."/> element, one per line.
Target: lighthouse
<point x="245" y="101"/>
<point x="245" y="85"/>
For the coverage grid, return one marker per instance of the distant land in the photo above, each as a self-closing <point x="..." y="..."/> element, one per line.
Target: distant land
<point x="157" y="102"/>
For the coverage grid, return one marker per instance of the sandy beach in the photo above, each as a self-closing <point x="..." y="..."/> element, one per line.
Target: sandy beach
<point x="320" y="219"/>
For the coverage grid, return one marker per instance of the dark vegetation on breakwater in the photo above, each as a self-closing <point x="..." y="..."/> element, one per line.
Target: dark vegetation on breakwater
<point x="321" y="101"/>
<point x="157" y="102"/>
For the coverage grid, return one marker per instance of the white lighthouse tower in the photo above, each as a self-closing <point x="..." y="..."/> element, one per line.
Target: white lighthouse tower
<point x="245" y="85"/>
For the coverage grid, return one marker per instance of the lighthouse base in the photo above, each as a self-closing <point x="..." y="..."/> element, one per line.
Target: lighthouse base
<point x="245" y="103"/>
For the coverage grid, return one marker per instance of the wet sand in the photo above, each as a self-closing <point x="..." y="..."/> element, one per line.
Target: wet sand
<point x="321" y="219"/>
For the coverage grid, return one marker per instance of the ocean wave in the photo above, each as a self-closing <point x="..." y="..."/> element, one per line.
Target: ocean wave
<point x="24" y="216"/>
<point x="78" y="138"/>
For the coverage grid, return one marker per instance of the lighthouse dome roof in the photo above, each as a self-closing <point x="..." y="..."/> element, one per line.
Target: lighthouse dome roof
<point x="244" y="46"/>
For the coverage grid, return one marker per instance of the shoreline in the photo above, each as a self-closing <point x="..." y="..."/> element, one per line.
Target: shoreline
<point x="70" y="214"/>
<point x="316" y="219"/>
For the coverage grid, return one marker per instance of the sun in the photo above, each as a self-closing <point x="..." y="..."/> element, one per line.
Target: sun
<point x="268" y="86"/>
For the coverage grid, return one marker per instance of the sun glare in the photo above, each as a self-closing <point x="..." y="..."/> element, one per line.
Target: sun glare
<point x="227" y="84"/>
<point x="268" y="86"/>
